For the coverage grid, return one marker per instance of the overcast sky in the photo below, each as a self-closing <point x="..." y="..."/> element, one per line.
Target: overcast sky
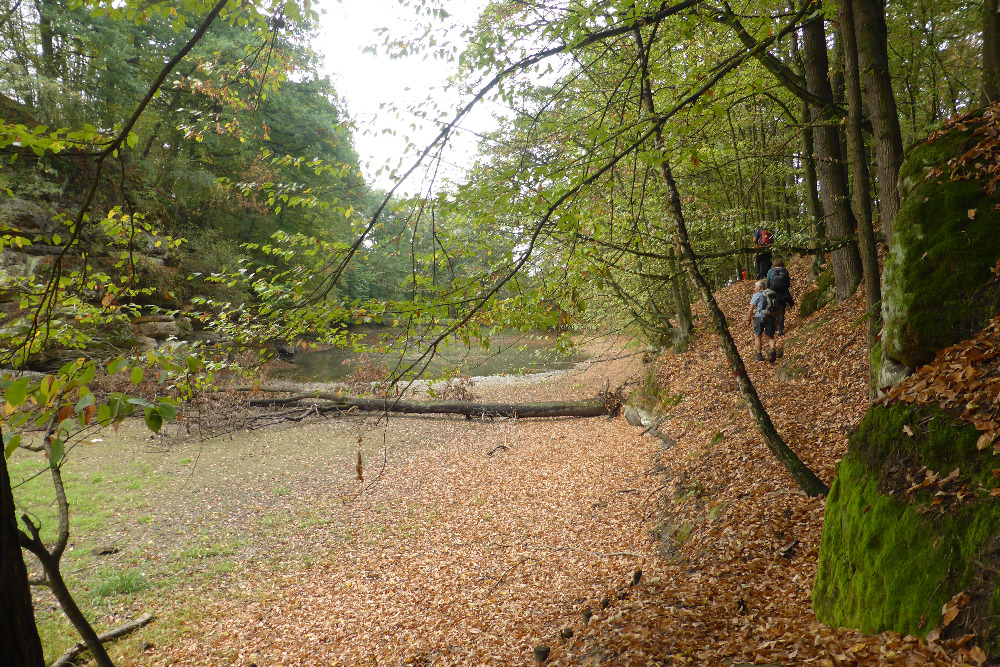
<point x="371" y="84"/>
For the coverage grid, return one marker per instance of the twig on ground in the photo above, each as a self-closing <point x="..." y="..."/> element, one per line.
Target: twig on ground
<point x="505" y="573"/>
<point x="653" y="493"/>
<point x="597" y="553"/>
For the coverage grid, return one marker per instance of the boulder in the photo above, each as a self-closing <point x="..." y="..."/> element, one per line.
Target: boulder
<point x="157" y="330"/>
<point x="910" y="524"/>
<point x="939" y="285"/>
<point x="28" y="217"/>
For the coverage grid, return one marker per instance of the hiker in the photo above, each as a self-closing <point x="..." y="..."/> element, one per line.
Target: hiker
<point x="762" y="260"/>
<point x="779" y="281"/>
<point x="761" y="316"/>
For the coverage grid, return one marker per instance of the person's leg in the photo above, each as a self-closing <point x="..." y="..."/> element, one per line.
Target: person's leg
<point x="757" y="330"/>
<point x="769" y="334"/>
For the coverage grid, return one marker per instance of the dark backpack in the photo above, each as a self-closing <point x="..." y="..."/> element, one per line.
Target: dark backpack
<point x="780" y="280"/>
<point x="770" y="304"/>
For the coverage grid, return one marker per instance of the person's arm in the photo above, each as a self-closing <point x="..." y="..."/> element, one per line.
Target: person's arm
<point x="750" y="313"/>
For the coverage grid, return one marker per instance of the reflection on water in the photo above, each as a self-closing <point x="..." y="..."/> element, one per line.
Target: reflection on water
<point x="508" y="354"/>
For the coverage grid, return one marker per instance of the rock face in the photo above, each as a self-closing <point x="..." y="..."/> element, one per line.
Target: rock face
<point x="910" y="523"/>
<point x="938" y="282"/>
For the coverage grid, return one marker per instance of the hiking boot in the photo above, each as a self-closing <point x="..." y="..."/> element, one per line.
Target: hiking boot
<point x="774" y="355"/>
<point x="759" y="356"/>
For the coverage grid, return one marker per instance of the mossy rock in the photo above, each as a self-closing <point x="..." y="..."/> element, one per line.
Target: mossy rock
<point x="937" y="284"/>
<point x="890" y="559"/>
<point x="815" y="299"/>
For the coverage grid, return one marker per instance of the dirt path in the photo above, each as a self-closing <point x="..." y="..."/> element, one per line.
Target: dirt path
<point x="449" y="554"/>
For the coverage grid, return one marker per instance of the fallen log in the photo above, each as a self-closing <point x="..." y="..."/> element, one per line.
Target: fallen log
<point x="589" y="408"/>
<point x="70" y="655"/>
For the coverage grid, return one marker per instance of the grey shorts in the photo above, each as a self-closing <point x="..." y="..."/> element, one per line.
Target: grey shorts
<point x="765" y="326"/>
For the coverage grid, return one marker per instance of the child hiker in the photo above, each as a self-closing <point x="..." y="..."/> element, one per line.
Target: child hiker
<point x="762" y="317"/>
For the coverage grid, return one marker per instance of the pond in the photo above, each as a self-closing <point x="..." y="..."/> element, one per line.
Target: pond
<point x="509" y="353"/>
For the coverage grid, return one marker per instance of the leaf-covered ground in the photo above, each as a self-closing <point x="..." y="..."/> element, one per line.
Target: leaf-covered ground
<point x="488" y="539"/>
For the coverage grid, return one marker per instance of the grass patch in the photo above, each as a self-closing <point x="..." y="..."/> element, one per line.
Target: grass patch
<point x="119" y="582"/>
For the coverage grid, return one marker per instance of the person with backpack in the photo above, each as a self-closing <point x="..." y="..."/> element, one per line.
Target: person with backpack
<point x="762" y="260"/>
<point x="762" y="317"/>
<point x="779" y="282"/>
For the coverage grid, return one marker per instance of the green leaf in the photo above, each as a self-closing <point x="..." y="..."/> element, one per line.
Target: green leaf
<point x="132" y="140"/>
<point x="116" y="365"/>
<point x="11" y="442"/>
<point x="168" y="412"/>
<point x="154" y="420"/>
<point x="137" y="375"/>
<point x="85" y="401"/>
<point x="17" y="391"/>
<point x="56" y="454"/>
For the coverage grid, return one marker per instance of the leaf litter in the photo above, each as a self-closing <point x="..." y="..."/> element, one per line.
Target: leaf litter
<point x="606" y="544"/>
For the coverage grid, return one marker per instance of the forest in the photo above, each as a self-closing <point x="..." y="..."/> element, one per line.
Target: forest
<point x="183" y="208"/>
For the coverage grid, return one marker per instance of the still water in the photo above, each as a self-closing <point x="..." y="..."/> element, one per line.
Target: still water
<point x="508" y="354"/>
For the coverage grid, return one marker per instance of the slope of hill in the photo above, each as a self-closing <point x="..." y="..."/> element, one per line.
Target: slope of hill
<point x="739" y="542"/>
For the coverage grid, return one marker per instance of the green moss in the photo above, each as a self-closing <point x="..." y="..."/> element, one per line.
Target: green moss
<point x="938" y="287"/>
<point x="885" y="565"/>
<point x="823" y="293"/>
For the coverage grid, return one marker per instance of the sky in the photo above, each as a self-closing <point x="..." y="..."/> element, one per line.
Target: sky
<point x="372" y="83"/>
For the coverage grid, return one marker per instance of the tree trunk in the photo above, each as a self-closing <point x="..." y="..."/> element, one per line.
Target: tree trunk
<point x="55" y="580"/>
<point x="799" y="471"/>
<point x="50" y="565"/>
<point x="830" y="163"/>
<point x="859" y="172"/>
<point x="991" y="52"/>
<point x="19" y="642"/>
<point x="873" y="62"/>
<point x="813" y="205"/>
<point x="593" y="408"/>
<point x="682" y="304"/>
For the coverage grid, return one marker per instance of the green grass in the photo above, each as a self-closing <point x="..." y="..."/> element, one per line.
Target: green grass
<point x="112" y="581"/>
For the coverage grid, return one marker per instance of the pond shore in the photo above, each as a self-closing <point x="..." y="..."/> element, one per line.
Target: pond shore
<point x="263" y="547"/>
<point x="466" y="543"/>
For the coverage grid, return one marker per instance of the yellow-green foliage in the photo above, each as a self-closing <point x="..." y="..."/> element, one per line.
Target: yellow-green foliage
<point x="883" y="565"/>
